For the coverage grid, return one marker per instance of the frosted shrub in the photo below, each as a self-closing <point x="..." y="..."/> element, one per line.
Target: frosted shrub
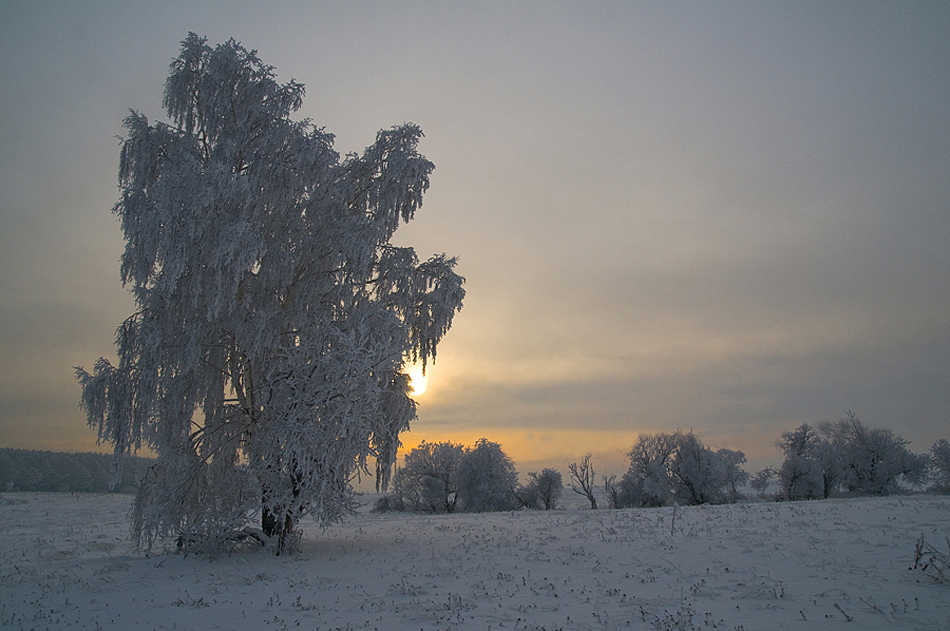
<point x="807" y="471"/>
<point x="486" y="479"/>
<point x="699" y="473"/>
<point x="427" y="479"/>
<point x="648" y="481"/>
<point x="542" y="491"/>
<point x="667" y="467"/>
<point x="872" y="461"/>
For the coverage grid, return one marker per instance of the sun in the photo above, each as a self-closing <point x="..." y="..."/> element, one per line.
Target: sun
<point x="417" y="381"/>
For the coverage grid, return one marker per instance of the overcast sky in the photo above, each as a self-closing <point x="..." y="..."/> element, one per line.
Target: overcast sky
<point x="720" y="216"/>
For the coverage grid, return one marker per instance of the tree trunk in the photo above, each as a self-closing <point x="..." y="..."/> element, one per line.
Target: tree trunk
<point x="276" y="525"/>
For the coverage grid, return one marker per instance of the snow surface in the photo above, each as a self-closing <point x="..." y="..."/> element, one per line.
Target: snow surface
<point x="66" y="563"/>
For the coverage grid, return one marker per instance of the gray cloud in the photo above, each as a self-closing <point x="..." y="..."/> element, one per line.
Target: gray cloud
<point x="726" y="217"/>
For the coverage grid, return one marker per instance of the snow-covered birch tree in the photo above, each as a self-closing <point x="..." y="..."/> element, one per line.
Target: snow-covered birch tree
<point x="264" y="364"/>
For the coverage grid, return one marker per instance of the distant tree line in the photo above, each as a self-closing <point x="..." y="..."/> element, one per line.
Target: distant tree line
<point x="829" y="459"/>
<point x="49" y="471"/>
<point x="844" y="457"/>
<point x="840" y="458"/>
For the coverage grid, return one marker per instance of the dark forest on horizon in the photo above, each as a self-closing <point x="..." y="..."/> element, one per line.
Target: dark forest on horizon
<point x="49" y="471"/>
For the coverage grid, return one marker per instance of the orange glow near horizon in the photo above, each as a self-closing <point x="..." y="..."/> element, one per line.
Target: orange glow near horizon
<point x="533" y="448"/>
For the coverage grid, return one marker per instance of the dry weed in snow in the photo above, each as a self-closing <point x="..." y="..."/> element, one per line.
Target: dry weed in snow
<point x="66" y="563"/>
<point x="929" y="559"/>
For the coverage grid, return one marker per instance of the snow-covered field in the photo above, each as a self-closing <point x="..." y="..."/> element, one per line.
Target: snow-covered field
<point x="66" y="562"/>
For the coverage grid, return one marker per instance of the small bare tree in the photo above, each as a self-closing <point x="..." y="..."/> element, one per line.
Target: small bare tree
<point x="760" y="482"/>
<point x="612" y="492"/>
<point x="582" y="480"/>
